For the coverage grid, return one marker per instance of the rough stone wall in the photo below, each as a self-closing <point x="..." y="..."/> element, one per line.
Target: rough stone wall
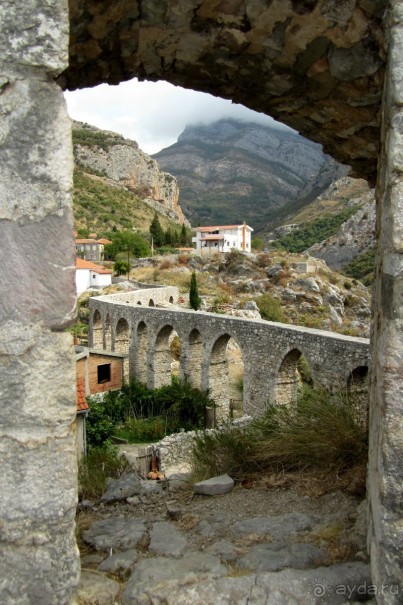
<point x="264" y="346"/>
<point x="386" y="402"/>
<point x="316" y="65"/>
<point x="38" y="492"/>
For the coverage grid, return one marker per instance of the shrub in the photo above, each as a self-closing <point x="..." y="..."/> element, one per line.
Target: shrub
<point x="96" y="467"/>
<point x="270" y="308"/>
<point x="320" y="431"/>
<point x="194" y="298"/>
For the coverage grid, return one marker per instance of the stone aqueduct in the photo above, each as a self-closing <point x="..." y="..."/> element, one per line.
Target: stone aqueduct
<point x="131" y="323"/>
<point x="330" y="68"/>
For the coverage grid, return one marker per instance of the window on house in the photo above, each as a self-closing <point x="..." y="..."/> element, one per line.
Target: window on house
<point x="104" y="373"/>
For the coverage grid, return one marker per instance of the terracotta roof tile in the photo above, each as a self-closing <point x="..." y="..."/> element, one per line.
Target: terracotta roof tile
<point x="86" y="264"/>
<point x="86" y="241"/>
<point x="104" y="241"/>
<point x="82" y="404"/>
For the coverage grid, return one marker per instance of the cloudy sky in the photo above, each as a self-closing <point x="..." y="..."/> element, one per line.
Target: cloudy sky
<point x="152" y="113"/>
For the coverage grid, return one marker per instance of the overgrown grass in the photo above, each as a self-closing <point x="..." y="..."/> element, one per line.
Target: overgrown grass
<point x="96" y="467"/>
<point x="321" y="431"/>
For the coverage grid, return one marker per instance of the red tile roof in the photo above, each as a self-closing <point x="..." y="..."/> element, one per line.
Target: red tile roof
<point x="86" y="241"/>
<point x="82" y="404"/>
<point x="104" y="241"/>
<point x="86" y="264"/>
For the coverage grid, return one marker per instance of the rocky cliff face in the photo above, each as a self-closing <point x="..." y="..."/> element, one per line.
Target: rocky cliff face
<point x="123" y="164"/>
<point x="231" y="171"/>
<point x="355" y="236"/>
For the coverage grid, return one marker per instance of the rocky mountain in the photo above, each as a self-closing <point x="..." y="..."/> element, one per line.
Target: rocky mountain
<point x="356" y="236"/>
<point x="119" y="163"/>
<point x="230" y="171"/>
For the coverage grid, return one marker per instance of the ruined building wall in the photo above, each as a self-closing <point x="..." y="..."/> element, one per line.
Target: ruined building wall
<point x="39" y="563"/>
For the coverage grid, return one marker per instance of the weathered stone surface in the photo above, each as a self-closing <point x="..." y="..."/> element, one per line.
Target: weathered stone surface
<point x="279" y="527"/>
<point x="120" y="564"/>
<point x="266" y="557"/>
<point x="97" y="588"/>
<point x="214" y="486"/>
<point x="335" y="585"/>
<point x="34" y="35"/>
<point x="116" y="533"/>
<point x="317" y="66"/>
<point x="119" y="489"/>
<point x="223" y="549"/>
<point x="167" y="540"/>
<point x="153" y="577"/>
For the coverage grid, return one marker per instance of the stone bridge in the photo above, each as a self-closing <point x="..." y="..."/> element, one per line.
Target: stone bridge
<point x="332" y="69"/>
<point x="217" y="350"/>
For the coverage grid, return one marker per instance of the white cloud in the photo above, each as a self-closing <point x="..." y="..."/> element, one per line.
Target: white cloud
<point x="152" y="113"/>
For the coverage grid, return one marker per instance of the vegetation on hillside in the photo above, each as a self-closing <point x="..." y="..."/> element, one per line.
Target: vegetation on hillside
<point x="100" y="208"/>
<point x="312" y="233"/>
<point x="362" y="267"/>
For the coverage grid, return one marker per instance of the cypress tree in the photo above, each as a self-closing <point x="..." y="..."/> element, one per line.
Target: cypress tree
<point x="194" y="298"/>
<point x="157" y="232"/>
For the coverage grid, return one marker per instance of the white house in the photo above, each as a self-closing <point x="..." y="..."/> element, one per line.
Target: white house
<point x="223" y="238"/>
<point x="90" y="275"/>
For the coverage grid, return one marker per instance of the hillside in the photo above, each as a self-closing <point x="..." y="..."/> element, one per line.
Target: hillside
<point x="116" y="185"/>
<point x="231" y="171"/>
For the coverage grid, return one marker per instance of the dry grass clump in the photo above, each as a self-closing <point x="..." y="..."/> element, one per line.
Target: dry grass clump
<point x="319" y="433"/>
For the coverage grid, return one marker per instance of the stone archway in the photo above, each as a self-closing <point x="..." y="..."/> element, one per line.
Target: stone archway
<point x="162" y="357"/>
<point x="225" y="372"/>
<point x="108" y="333"/>
<point x="357" y="390"/>
<point x="318" y="66"/>
<point x="97" y="331"/>
<point x="122" y="343"/>
<point x="194" y="365"/>
<point x="141" y="353"/>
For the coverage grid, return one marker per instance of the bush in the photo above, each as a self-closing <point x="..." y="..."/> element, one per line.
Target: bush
<point x="321" y="431"/>
<point x="94" y="470"/>
<point x="270" y="308"/>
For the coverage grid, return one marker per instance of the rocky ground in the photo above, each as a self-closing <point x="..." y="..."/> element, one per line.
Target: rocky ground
<point x="148" y="542"/>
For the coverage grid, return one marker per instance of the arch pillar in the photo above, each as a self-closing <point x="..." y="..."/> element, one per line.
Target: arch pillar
<point x="37" y="299"/>
<point x="385" y="478"/>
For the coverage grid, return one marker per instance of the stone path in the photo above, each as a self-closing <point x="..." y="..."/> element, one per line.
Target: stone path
<point x="169" y="548"/>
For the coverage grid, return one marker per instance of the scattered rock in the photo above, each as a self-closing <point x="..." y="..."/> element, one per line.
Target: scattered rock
<point x="278" y="527"/>
<point x="268" y="557"/>
<point x="122" y="488"/>
<point x="214" y="486"/>
<point x="116" y="533"/>
<point x="96" y="588"/>
<point x="166" y="540"/>
<point x="120" y="564"/>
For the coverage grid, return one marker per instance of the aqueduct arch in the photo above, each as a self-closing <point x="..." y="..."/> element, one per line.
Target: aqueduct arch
<point x="317" y="65"/>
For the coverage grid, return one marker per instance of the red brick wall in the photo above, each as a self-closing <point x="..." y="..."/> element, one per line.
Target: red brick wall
<point x="116" y="373"/>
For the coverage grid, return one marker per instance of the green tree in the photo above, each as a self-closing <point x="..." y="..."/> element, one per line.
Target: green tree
<point x="127" y="241"/>
<point x="194" y="298"/>
<point x="157" y="232"/>
<point x="121" y="267"/>
<point x="183" y="236"/>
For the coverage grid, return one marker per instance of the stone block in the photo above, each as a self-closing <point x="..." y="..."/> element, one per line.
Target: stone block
<point x="37" y="398"/>
<point x="34" y="34"/>
<point x="214" y="486"/>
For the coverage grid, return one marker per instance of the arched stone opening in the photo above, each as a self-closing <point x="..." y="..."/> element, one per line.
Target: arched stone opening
<point x="194" y="365"/>
<point x="97" y="331"/>
<point x="357" y="391"/>
<point x="225" y="373"/>
<point x="108" y="333"/>
<point x="167" y="352"/>
<point x="139" y="302"/>
<point x="122" y="343"/>
<point x="141" y="353"/>
<point x="151" y="303"/>
<point x="171" y="299"/>
<point x="294" y="370"/>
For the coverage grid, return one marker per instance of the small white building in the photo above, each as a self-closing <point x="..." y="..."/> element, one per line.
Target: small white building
<point x="91" y="275"/>
<point x="223" y="238"/>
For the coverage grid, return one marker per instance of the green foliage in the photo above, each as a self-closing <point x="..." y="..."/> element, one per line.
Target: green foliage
<point x="362" y="267"/>
<point x="127" y="241"/>
<point x="90" y="138"/>
<point x="157" y="232"/>
<point x="194" y="298"/>
<point x="258" y="243"/>
<point x="314" y="232"/>
<point x="320" y="431"/>
<point x="270" y="308"/>
<point x="124" y="412"/>
<point x="100" y="464"/>
<point x="121" y="267"/>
